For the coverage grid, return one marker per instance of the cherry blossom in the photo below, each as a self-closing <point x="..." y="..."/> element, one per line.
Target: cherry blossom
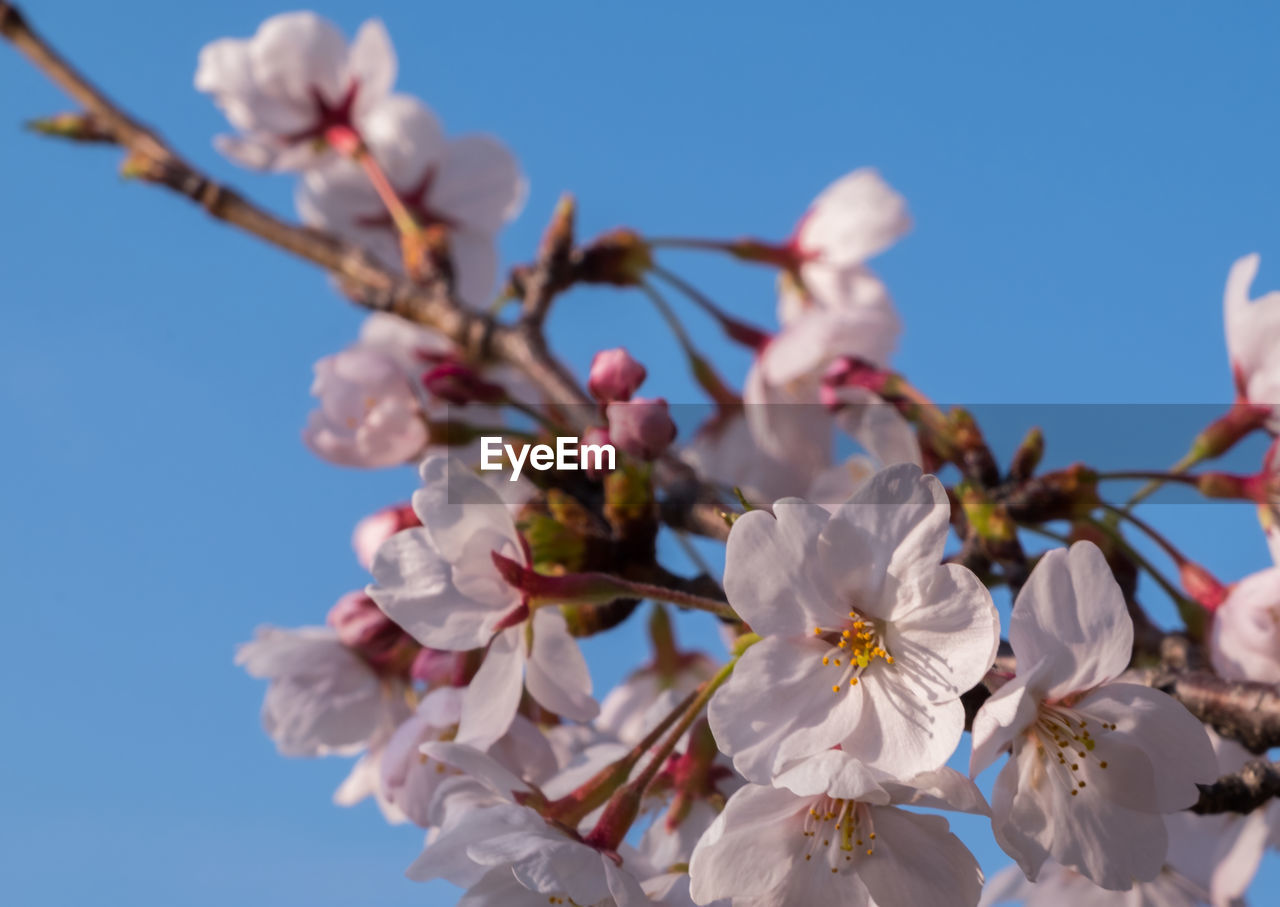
<point x="1094" y="763"/>
<point x="641" y="427"/>
<point x="868" y="639"/>
<point x="614" y="375"/>
<point x="323" y="698"/>
<point x="854" y="219"/>
<point x="489" y="841"/>
<point x="1244" y="643"/>
<point x="832" y="832"/>
<point x="409" y="779"/>
<point x="440" y="583"/>
<point x="470" y="185"/>
<point x="647" y="695"/>
<point x="783" y="386"/>
<point x="1058" y="885"/>
<point x="1253" y="337"/>
<point x="1221" y="852"/>
<point x="293" y="82"/>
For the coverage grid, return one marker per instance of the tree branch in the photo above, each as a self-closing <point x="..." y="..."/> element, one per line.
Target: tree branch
<point x="1242" y="792"/>
<point x="368" y="282"/>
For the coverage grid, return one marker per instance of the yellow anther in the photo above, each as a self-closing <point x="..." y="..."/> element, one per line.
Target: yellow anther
<point x="836" y="688"/>
<point x="846" y="634"/>
<point x="853" y="681"/>
<point x="826" y="660"/>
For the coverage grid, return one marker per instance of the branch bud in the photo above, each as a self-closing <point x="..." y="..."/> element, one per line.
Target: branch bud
<point x="615" y="375"/>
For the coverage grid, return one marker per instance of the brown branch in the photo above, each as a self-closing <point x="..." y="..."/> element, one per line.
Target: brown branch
<point x="1241" y="792"/>
<point x="369" y="282"/>
<point x="1246" y="712"/>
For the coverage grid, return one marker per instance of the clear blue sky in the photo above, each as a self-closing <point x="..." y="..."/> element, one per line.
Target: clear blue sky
<point x="1081" y="175"/>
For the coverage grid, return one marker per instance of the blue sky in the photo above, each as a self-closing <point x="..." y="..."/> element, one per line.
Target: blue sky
<point x="1081" y="177"/>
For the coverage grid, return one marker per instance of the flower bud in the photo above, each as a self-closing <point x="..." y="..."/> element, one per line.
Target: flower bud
<point x="620" y="258"/>
<point x="614" y="375"/>
<point x="1201" y="585"/>
<point x="1242" y="420"/>
<point x="593" y="437"/>
<point x="641" y="427"/>
<point x="376" y="528"/>
<point x="363" y="627"/>
<point x="459" y="384"/>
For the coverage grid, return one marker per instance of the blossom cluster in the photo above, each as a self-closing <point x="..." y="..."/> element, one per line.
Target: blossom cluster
<point x="793" y="768"/>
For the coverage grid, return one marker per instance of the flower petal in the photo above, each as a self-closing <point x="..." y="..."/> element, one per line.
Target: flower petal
<point x="493" y="696"/>
<point x="1071" y="616"/>
<point x="556" y="673"/>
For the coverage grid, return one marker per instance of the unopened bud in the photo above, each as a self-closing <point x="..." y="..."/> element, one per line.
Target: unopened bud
<point x="620" y="258"/>
<point x="363" y="627"/>
<point x="850" y="372"/>
<point x="1062" y="495"/>
<point x="595" y="465"/>
<point x="78" y="127"/>
<point x="615" y="375"/>
<point x="641" y="427"/>
<point x="1242" y="420"/>
<point x="1027" y="457"/>
<point x="459" y="384"/>
<point x="376" y="528"/>
<point x="1201" y="585"/>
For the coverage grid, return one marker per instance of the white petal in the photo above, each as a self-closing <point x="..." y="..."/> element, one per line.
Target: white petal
<point x="856" y="217"/>
<point x="917" y="860"/>
<point x="898" y="734"/>
<point x="416" y="588"/>
<point x="1071" y="616"/>
<point x="475" y="266"/>
<point x="455" y="506"/>
<point x="1003" y="717"/>
<point x="768" y="576"/>
<point x="493" y="696"/>
<point x="1175" y="742"/>
<point x="749" y="848"/>
<point x="556" y="673"/>
<point x="479" y="185"/>
<point x="371" y="61"/>
<point x="778" y="706"/>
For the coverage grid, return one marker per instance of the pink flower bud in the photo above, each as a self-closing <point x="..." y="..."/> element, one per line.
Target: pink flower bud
<point x="614" y="375"/>
<point x="359" y="621"/>
<point x="435" y="667"/>
<point x="460" y="384"/>
<point x="376" y="528"/>
<point x="363" y="627"/>
<point x="593" y="437"/>
<point x="641" y="427"/>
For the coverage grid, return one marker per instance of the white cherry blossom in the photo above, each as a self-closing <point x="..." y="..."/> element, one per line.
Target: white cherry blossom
<point x="323" y="699"/>
<point x="470" y="185"/>
<point x="1253" y="337"/>
<point x="440" y="583"/>
<point x="1244" y="642"/>
<point x="1094" y="763"/>
<point x="868" y="639"/>
<point x="854" y="219"/>
<point x="832" y="832"/>
<point x="486" y="841"/>
<point x="296" y="79"/>
<point x="1059" y="886"/>
<point x="1221" y="852"/>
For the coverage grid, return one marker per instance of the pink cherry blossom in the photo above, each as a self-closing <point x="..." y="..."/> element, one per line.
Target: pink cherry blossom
<point x="469" y="185"/>
<point x="439" y="582"/>
<point x="832" y="832"/>
<point x="868" y="639"/>
<point x="295" y="80"/>
<point x="1244" y="643"/>
<point x="1253" y="337"/>
<point x="489" y="841"/>
<point x="614" y="375"/>
<point x="1094" y="764"/>
<point x="323" y="699"/>
<point x="641" y="427"/>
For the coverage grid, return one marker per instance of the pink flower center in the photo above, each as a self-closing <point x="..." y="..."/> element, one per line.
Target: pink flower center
<point x="416" y="201"/>
<point x="857" y="644"/>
